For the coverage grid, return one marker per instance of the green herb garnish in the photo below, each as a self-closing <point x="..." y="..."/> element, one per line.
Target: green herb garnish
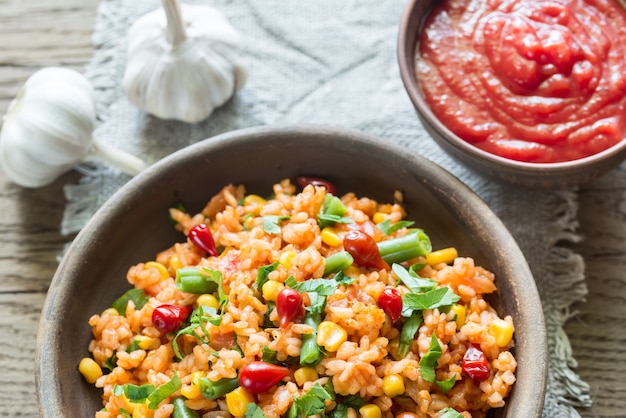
<point x="271" y="223"/>
<point x="138" y="296"/>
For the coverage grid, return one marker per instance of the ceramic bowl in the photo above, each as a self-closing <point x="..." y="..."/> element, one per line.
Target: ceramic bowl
<point x="542" y="175"/>
<point x="133" y="226"/>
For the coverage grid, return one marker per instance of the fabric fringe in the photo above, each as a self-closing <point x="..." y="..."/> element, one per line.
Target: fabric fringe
<point x="566" y="271"/>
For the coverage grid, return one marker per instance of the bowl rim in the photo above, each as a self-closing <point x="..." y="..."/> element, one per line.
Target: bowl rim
<point x="406" y="48"/>
<point x="48" y="388"/>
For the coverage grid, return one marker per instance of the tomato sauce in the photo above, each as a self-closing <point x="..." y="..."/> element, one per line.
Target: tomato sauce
<point x="531" y="80"/>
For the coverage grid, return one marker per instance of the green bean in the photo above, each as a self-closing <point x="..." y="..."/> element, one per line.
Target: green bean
<point x="181" y="410"/>
<point x="338" y="262"/>
<point x="214" y="390"/>
<point x="416" y="243"/>
<point x="192" y="280"/>
<point x="310" y="353"/>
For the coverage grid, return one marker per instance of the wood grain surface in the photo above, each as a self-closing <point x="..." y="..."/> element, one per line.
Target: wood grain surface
<point x="39" y="33"/>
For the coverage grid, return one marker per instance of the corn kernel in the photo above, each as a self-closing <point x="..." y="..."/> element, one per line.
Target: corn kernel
<point x="237" y="400"/>
<point x="271" y="289"/>
<point x="208" y="300"/>
<point x="445" y="255"/>
<point x="393" y="385"/>
<point x="175" y="262"/>
<point x="459" y="314"/>
<point x="352" y="271"/>
<point x="331" y="237"/>
<point x="305" y="374"/>
<point x="330" y="336"/>
<point x="191" y="392"/>
<point x="142" y="411"/>
<point x="379" y="217"/>
<point x="195" y="376"/>
<point x="110" y="312"/>
<point x="254" y="200"/>
<point x="286" y="259"/>
<point x="370" y="410"/>
<point x="147" y="343"/>
<point x="160" y="267"/>
<point x="90" y="370"/>
<point x="502" y="331"/>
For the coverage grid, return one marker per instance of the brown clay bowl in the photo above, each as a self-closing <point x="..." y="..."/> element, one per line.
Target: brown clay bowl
<point x="534" y="175"/>
<point x="133" y="225"/>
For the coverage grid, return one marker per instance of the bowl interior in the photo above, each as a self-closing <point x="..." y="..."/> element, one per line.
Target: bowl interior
<point x="134" y="225"/>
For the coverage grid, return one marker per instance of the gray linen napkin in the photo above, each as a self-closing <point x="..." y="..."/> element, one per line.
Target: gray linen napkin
<point x="332" y="63"/>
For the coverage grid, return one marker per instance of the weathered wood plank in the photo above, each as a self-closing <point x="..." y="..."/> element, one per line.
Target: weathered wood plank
<point x="597" y="332"/>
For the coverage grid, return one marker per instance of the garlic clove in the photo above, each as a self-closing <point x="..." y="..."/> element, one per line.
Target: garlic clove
<point x="183" y="69"/>
<point x="48" y="129"/>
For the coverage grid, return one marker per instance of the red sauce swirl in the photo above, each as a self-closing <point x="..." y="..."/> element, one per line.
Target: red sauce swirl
<point x="529" y="80"/>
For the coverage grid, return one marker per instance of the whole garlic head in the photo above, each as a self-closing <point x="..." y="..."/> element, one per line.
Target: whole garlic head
<point x="183" y="61"/>
<point x="48" y="130"/>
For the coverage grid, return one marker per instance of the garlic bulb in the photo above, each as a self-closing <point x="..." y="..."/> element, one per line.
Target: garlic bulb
<point x="183" y="65"/>
<point x="48" y="130"/>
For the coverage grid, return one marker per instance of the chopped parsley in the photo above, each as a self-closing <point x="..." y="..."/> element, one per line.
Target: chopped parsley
<point x="388" y="228"/>
<point x="138" y="296"/>
<point x="311" y="403"/>
<point x="271" y="223"/>
<point x="148" y="392"/>
<point x="254" y="411"/>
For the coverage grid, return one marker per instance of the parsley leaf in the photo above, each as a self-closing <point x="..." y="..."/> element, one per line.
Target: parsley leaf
<point x="343" y="279"/>
<point x="163" y="391"/>
<point x="329" y="219"/>
<point x="313" y="402"/>
<point x="429" y="360"/>
<point x="134" y="393"/>
<point x="446" y="385"/>
<point x="450" y="413"/>
<point x="138" y="296"/>
<point x="263" y="273"/>
<point x="254" y="411"/>
<point x="387" y="228"/>
<point x="199" y="318"/>
<point x="411" y="280"/>
<point x="351" y="401"/>
<point x="148" y="392"/>
<point x="436" y="298"/>
<point x="332" y="212"/>
<point x="325" y="287"/>
<point x="134" y="346"/>
<point x="317" y="289"/>
<point x="271" y="223"/>
<point x="111" y="362"/>
<point x="268" y="355"/>
<point x="409" y="329"/>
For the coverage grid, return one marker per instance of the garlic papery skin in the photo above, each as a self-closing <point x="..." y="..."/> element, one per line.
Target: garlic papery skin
<point x="183" y="62"/>
<point x="48" y="130"/>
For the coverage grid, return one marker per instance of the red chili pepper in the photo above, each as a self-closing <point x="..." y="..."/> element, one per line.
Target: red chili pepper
<point x="304" y="181"/>
<point x="288" y="305"/>
<point x="364" y="250"/>
<point x="167" y="318"/>
<point x="200" y="236"/>
<point x="390" y="301"/>
<point x="475" y="364"/>
<point x="259" y="376"/>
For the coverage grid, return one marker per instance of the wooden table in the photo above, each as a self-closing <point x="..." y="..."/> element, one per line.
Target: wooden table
<point x="41" y="33"/>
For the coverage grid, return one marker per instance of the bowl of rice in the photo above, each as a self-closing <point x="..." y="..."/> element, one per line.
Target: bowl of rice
<point x="293" y="271"/>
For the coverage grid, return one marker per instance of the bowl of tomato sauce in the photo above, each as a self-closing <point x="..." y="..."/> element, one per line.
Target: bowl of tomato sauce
<point x="532" y="93"/>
